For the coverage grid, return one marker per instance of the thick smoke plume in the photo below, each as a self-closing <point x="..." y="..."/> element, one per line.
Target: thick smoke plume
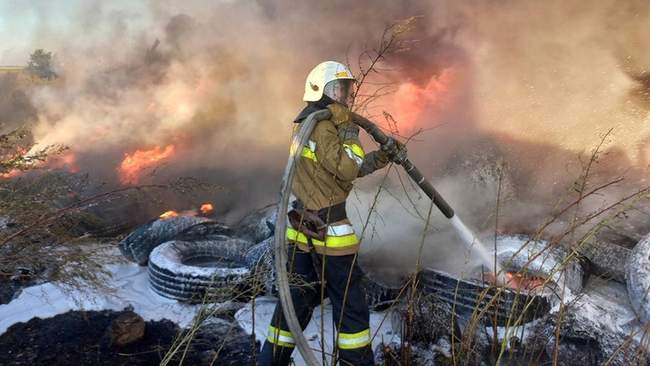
<point x="524" y="88"/>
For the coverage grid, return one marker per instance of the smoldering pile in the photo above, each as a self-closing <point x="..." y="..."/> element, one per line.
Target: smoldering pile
<point x="445" y="318"/>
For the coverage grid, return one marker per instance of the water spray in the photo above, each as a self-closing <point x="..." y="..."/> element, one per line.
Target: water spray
<point x="466" y="235"/>
<point x="300" y="139"/>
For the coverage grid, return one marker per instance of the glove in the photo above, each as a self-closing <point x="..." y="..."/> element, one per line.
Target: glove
<point x="374" y="160"/>
<point x="395" y="150"/>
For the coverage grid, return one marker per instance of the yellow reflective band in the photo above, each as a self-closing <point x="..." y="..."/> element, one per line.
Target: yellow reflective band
<point x="356" y="149"/>
<point x="354" y="340"/>
<point x="280" y="337"/>
<point x="341" y="74"/>
<point x="330" y="241"/>
<point x="309" y="154"/>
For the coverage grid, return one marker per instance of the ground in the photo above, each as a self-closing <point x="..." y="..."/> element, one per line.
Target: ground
<point x="79" y="338"/>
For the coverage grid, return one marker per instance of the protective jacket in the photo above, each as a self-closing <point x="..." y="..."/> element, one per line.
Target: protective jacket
<point x="329" y="162"/>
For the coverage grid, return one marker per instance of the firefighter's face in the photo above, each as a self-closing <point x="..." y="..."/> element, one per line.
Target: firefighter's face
<point x="340" y="90"/>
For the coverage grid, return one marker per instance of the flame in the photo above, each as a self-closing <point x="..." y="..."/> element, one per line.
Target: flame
<point x="134" y="164"/>
<point x="520" y="281"/>
<point x="410" y="101"/>
<point x="168" y="214"/>
<point x="66" y="161"/>
<point x="10" y="174"/>
<point x="206" y="208"/>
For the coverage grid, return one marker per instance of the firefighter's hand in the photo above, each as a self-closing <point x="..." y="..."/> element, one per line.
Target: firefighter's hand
<point x="395" y="150"/>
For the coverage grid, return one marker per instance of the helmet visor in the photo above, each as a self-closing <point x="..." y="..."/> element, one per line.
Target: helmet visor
<point x="340" y="90"/>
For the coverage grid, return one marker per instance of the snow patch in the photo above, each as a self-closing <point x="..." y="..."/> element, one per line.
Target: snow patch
<point x="130" y="287"/>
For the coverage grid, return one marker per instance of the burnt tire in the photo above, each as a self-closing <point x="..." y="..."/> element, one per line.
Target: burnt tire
<point x="207" y="230"/>
<point x="516" y="253"/>
<point x="260" y="261"/>
<point x="258" y="225"/>
<point x="467" y="297"/>
<point x="378" y="295"/>
<point x="637" y="277"/>
<point x="137" y="246"/>
<point x="192" y="272"/>
<point x="537" y="259"/>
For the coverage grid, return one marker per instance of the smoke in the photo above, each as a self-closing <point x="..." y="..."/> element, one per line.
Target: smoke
<point x="519" y="88"/>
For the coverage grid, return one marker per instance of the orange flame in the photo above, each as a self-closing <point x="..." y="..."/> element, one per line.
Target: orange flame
<point x="410" y="100"/>
<point x="134" y="164"/>
<point x="67" y="161"/>
<point x="206" y="208"/>
<point x="168" y="214"/>
<point x="520" y="281"/>
<point x="10" y="174"/>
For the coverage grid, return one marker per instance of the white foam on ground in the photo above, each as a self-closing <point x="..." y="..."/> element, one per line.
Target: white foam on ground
<point x="130" y="285"/>
<point x="264" y="307"/>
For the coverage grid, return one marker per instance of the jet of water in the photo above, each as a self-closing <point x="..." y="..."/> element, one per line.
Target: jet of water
<point x="473" y="243"/>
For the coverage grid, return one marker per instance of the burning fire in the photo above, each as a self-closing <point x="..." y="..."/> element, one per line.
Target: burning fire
<point x="66" y="161"/>
<point x="168" y="215"/>
<point x="205" y="209"/>
<point x="519" y="281"/>
<point x="410" y="100"/>
<point x="11" y="174"/>
<point x="133" y="165"/>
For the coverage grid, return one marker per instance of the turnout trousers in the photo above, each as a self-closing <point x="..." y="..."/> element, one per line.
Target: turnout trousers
<point x="353" y="346"/>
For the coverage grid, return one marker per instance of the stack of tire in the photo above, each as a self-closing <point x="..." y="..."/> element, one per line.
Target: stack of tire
<point x="194" y="259"/>
<point x="638" y="278"/>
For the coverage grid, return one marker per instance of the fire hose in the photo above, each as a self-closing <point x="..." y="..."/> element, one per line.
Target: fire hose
<point x="300" y="139"/>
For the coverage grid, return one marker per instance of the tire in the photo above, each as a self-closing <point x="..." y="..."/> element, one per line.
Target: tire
<point x="175" y="271"/>
<point x="637" y="276"/>
<point x="545" y="265"/>
<point x="261" y="262"/>
<point x="208" y="230"/>
<point x="379" y="296"/>
<point x="259" y="225"/>
<point x="137" y="246"/>
<point x="507" y="304"/>
<point x="469" y="296"/>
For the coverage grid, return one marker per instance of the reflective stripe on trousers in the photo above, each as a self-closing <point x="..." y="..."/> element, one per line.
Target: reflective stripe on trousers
<point x="280" y="337"/>
<point x="354" y="334"/>
<point x="354" y="340"/>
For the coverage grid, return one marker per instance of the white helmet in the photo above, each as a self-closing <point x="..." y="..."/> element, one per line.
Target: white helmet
<point x="324" y="79"/>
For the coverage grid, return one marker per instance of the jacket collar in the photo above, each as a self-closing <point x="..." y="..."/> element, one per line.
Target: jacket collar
<point x="312" y="107"/>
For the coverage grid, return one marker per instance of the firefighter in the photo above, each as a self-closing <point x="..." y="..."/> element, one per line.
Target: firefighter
<point x="322" y="242"/>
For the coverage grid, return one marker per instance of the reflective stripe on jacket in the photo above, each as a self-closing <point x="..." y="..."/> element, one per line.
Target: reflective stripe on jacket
<point x="339" y="240"/>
